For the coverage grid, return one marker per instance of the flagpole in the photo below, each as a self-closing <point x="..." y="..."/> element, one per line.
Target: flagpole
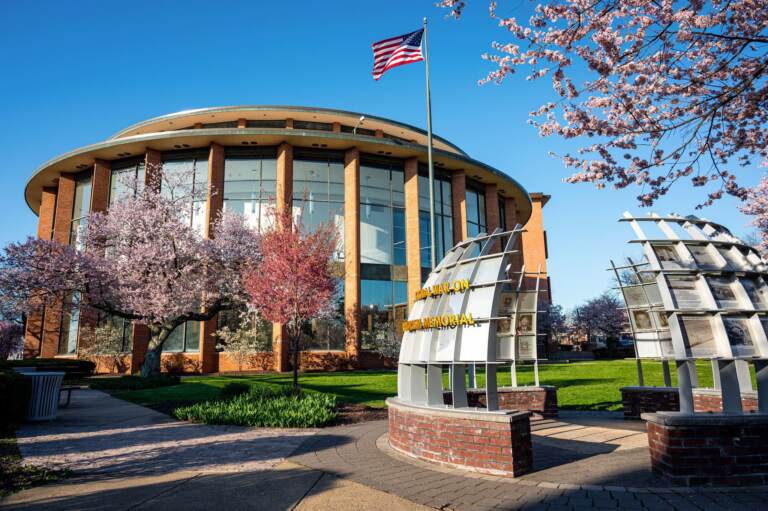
<point x="429" y="154"/>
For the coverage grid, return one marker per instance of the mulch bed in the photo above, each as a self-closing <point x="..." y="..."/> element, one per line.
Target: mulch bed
<point x="353" y="413"/>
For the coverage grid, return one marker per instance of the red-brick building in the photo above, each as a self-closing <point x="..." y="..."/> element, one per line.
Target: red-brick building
<point x="369" y="175"/>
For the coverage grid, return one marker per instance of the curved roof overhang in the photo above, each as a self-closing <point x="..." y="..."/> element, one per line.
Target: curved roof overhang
<point x="75" y="161"/>
<point x="175" y="121"/>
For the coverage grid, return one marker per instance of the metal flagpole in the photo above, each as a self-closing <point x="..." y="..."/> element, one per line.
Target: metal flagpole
<point x="429" y="155"/>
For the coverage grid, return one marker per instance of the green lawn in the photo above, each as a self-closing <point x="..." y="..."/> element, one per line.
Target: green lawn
<point x="580" y="385"/>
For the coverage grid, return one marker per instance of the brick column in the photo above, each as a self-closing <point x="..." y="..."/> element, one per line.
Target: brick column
<point x="140" y="336"/>
<point x="153" y="164"/>
<point x="492" y="220"/>
<point x="352" y="251"/>
<point x="283" y="204"/>
<point x="512" y="217"/>
<point x="412" y="239"/>
<point x="62" y="223"/>
<point x="208" y="357"/>
<point x="535" y="239"/>
<point x="100" y="186"/>
<point x="33" y="334"/>
<point x="459" y="201"/>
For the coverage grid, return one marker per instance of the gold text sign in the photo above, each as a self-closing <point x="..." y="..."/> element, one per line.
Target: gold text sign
<point x="443" y="289"/>
<point x="444" y="321"/>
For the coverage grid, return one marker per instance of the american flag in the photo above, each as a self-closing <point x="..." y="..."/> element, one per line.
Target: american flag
<point x="396" y="51"/>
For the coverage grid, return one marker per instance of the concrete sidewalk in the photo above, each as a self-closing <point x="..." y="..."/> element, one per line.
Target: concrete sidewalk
<point x="126" y="456"/>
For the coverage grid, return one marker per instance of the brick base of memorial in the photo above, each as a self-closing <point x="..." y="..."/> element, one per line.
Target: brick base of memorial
<point x="497" y="443"/>
<point x="639" y="400"/>
<point x="709" y="449"/>
<point x="540" y="400"/>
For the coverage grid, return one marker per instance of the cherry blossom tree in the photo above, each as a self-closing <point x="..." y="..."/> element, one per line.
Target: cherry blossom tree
<point x="663" y="90"/>
<point x="757" y="206"/>
<point x="294" y="281"/>
<point x="142" y="260"/>
<point x="603" y="314"/>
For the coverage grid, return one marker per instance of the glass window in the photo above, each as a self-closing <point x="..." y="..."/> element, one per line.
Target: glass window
<point x="318" y="191"/>
<point x="185" y="178"/>
<point x="126" y="180"/>
<point x="443" y="216"/>
<point x="80" y="210"/>
<point x="70" y="326"/>
<point x="382" y="213"/>
<point x="185" y="337"/>
<point x="475" y="212"/>
<point x="250" y="181"/>
<point x="327" y="334"/>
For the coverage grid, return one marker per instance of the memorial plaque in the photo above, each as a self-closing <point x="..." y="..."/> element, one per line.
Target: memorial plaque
<point x="756" y="292"/>
<point x="526" y="347"/>
<point x="739" y="336"/>
<point x="642" y="320"/>
<point x="703" y="256"/>
<point x="699" y="337"/>
<point x="667" y="255"/>
<point x="525" y="324"/>
<point x="723" y="292"/>
<point x="635" y="296"/>
<point x="685" y="291"/>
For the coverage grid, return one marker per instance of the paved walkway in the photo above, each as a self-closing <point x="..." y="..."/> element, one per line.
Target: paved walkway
<point x="128" y="457"/>
<point x="599" y="465"/>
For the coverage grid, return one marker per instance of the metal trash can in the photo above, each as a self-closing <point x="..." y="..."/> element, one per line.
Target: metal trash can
<point x="44" y="402"/>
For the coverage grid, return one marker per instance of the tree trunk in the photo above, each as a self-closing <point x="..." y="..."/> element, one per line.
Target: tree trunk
<point x="151" y="365"/>
<point x="295" y="345"/>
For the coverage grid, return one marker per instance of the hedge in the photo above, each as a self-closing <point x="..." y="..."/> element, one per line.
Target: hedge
<point x="15" y="391"/>
<point x="73" y="368"/>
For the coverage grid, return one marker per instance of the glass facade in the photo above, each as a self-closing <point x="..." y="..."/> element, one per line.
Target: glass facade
<point x="443" y="216"/>
<point x="81" y="208"/>
<point x="70" y="326"/>
<point x="318" y="191"/>
<point x="475" y="212"/>
<point x="126" y="179"/>
<point x="382" y="240"/>
<point x="185" y="180"/>
<point x="185" y="337"/>
<point x="250" y="183"/>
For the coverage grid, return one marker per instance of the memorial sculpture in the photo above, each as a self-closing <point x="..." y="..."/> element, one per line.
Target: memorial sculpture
<point x="700" y="293"/>
<point x="475" y="308"/>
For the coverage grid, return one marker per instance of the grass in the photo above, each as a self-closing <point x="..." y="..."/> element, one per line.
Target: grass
<point x="14" y="476"/>
<point x="580" y="385"/>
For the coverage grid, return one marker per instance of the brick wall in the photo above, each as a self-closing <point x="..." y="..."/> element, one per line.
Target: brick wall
<point x="639" y="400"/>
<point x="540" y="400"/>
<point x="487" y="443"/>
<point x="709" y="450"/>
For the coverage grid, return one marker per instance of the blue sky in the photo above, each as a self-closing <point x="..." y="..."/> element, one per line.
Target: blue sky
<point x="74" y="73"/>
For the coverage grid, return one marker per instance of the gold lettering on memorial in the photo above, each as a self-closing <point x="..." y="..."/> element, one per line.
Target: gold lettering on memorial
<point x="444" y="321"/>
<point x="443" y="289"/>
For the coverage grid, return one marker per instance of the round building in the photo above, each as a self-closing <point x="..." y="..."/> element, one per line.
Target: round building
<point x="366" y="174"/>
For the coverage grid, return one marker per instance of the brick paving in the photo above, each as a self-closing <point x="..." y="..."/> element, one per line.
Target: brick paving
<point x="99" y="434"/>
<point x="578" y="464"/>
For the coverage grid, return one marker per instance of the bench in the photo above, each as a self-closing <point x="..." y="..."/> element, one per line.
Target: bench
<point x="68" y="389"/>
